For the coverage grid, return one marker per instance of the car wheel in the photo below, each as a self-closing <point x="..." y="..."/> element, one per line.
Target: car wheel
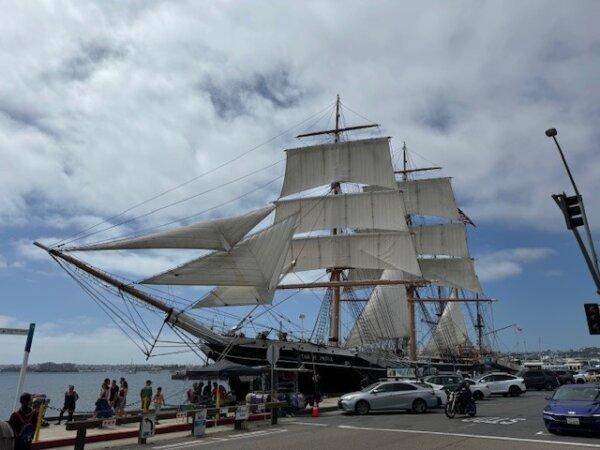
<point x="478" y="395"/>
<point x="580" y="381"/>
<point x="514" y="391"/>
<point x="362" y="407"/>
<point x="419" y="406"/>
<point x="568" y="382"/>
<point x="549" y="386"/>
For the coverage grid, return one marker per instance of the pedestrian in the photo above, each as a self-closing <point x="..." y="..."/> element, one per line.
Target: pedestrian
<point x="218" y="393"/>
<point x="206" y="392"/>
<point x="159" y="401"/>
<point x="190" y="393"/>
<point x="198" y="396"/>
<point x="146" y="396"/>
<point x="122" y="397"/>
<point x="103" y="409"/>
<point x="23" y="423"/>
<point x="114" y="394"/>
<point x="71" y="398"/>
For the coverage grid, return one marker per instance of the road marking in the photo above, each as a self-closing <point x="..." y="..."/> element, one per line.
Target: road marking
<point x="495" y="420"/>
<point x="211" y="440"/>
<point x="474" y="436"/>
<point x="311" y="424"/>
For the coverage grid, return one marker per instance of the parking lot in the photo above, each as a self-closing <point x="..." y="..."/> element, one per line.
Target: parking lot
<point x="501" y="423"/>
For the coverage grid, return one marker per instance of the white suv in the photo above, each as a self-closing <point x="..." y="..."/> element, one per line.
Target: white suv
<point x="504" y="383"/>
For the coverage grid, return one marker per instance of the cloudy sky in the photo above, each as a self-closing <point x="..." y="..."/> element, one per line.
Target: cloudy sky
<point x="105" y="105"/>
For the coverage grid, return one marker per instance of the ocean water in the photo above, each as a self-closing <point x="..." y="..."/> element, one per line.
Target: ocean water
<point x="87" y="385"/>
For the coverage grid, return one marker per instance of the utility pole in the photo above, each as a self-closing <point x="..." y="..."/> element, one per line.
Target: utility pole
<point x="574" y="212"/>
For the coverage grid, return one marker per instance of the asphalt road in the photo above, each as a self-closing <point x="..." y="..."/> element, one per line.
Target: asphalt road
<point x="501" y="423"/>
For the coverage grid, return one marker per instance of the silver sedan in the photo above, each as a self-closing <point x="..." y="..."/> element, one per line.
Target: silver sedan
<point x="390" y="396"/>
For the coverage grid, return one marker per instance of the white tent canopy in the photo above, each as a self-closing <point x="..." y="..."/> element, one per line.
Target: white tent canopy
<point x="366" y="161"/>
<point x="216" y="234"/>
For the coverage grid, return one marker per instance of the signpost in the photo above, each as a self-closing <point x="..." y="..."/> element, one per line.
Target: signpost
<point x="487" y="362"/>
<point x="273" y="357"/>
<point x="21" y="332"/>
<point x="147" y="427"/>
<point x="199" y="423"/>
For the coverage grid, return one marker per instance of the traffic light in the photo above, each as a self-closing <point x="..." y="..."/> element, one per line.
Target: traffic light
<point x="592" y="313"/>
<point x="573" y="212"/>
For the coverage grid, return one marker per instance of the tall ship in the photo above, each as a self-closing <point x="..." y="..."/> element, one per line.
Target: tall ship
<point x="385" y="247"/>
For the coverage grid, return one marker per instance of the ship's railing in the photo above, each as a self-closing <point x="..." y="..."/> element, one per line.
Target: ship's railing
<point x="262" y="411"/>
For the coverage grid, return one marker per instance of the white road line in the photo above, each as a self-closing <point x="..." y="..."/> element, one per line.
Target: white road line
<point x="211" y="440"/>
<point x="474" y="436"/>
<point x="310" y="424"/>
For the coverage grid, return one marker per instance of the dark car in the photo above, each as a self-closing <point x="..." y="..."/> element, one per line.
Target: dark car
<point x="564" y="376"/>
<point x="573" y="407"/>
<point x="540" y="379"/>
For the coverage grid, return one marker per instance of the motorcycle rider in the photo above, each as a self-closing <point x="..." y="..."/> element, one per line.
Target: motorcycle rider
<point x="463" y="395"/>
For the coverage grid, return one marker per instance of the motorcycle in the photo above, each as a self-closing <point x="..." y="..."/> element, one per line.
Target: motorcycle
<point x="453" y="407"/>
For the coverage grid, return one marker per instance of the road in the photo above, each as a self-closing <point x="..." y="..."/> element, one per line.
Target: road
<point x="501" y="423"/>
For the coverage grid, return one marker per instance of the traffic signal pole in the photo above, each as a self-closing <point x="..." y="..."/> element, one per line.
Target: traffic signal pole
<point x="575" y="216"/>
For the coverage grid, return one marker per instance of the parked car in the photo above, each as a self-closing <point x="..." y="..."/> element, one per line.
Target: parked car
<point x="573" y="407"/>
<point x="590" y="375"/>
<point x="479" y="390"/>
<point x="564" y="376"/>
<point x="504" y="384"/>
<point x="449" y="382"/>
<point x="390" y="396"/>
<point x="539" y="379"/>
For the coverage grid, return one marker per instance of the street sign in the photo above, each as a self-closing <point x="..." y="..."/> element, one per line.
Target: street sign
<point x="273" y="354"/>
<point x="241" y="413"/>
<point x="148" y="426"/>
<point x="487" y="361"/>
<point x="200" y="423"/>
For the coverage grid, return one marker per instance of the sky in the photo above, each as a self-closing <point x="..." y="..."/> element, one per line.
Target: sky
<point x="105" y="105"/>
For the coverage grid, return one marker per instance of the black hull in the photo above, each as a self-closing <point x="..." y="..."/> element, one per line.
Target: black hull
<point x="336" y="372"/>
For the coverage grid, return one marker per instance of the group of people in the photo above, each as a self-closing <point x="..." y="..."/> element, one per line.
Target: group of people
<point x="112" y="398"/>
<point x="201" y="393"/>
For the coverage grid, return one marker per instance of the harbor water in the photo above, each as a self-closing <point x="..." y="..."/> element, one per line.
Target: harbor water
<point x="87" y="385"/>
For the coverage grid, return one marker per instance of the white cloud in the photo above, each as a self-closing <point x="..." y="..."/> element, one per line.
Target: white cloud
<point x="508" y="262"/>
<point x="106" y="105"/>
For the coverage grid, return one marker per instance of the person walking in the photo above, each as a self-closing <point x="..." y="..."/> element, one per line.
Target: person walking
<point x="23" y="423"/>
<point x="146" y="396"/>
<point x="191" y="392"/>
<point x="159" y="401"/>
<point x="71" y="398"/>
<point x="206" y="392"/>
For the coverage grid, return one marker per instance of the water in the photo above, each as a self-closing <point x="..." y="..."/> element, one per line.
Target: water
<point x="87" y="385"/>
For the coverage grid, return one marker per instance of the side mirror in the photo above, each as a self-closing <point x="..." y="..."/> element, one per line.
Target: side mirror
<point x="375" y="391"/>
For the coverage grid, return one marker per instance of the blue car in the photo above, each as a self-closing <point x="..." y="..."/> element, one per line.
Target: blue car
<point x="574" y="407"/>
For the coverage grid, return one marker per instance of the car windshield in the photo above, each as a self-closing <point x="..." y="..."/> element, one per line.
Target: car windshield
<point x="370" y="387"/>
<point x="577" y="394"/>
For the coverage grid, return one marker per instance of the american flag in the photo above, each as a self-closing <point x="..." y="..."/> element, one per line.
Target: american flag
<point x="464" y="218"/>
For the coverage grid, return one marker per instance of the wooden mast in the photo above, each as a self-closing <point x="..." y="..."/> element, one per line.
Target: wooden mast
<point x="410" y="291"/>
<point x="334" y="326"/>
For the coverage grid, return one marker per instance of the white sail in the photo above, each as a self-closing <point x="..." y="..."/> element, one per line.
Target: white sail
<point x="385" y="316"/>
<point x="451" y="272"/>
<point x="216" y="234"/>
<point x="366" y="161"/>
<point x="377" y="210"/>
<point x="393" y="250"/>
<point x="442" y="239"/>
<point x="429" y="197"/>
<point x="235" y="296"/>
<point x="256" y="261"/>
<point x="364" y="274"/>
<point x="450" y="334"/>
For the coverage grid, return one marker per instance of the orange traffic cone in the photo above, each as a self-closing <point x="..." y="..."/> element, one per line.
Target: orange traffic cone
<point x="315" y="409"/>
